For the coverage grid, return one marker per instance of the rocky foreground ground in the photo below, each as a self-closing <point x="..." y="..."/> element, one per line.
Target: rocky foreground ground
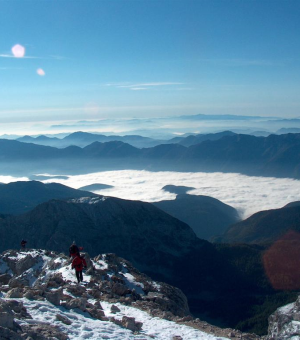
<point x="40" y="299"/>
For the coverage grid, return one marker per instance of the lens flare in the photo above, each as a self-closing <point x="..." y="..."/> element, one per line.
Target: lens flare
<point x="18" y="51"/>
<point x="282" y="262"/>
<point x="40" y="72"/>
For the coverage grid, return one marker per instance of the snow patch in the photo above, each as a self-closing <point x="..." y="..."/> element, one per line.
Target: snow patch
<point x="156" y="328"/>
<point x="88" y="200"/>
<point x="287" y="308"/>
<point x="131" y="283"/>
<point x="85" y="327"/>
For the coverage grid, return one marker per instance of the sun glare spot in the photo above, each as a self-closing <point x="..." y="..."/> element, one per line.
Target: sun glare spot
<point x="18" y="51"/>
<point x="40" y="72"/>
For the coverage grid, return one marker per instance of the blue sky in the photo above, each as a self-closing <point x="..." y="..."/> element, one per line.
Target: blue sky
<point x="147" y="58"/>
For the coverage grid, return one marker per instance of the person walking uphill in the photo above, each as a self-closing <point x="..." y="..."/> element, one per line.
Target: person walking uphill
<point x="78" y="263"/>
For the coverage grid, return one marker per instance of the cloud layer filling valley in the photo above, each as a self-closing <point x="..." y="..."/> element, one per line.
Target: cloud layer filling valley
<point x="248" y="194"/>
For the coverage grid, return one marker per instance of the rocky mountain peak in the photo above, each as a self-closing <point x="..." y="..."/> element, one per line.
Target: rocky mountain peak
<point x="41" y="299"/>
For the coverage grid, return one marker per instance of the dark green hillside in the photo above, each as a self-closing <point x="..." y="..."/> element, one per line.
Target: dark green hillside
<point x="19" y="197"/>
<point x="207" y="216"/>
<point x="263" y="299"/>
<point x="263" y="227"/>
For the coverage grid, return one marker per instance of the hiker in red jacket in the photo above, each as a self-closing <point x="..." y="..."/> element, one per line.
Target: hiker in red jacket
<point x="78" y="263"/>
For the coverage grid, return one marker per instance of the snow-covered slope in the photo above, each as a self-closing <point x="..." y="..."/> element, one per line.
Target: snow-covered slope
<point x="284" y="324"/>
<point x="41" y="299"/>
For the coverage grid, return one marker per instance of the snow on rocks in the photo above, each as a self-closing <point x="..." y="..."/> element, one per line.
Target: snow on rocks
<point x="40" y="295"/>
<point x="88" y="200"/>
<point x="284" y="323"/>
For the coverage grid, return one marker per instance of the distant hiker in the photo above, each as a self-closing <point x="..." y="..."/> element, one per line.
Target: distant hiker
<point x="73" y="250"/>
<point x="78" y="263"/>
<point x="23" y="244"/>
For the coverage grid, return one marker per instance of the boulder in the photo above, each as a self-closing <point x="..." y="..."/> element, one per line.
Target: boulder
<point x="29" y="295"/>
<point x="6" y="320"/>
<point x="115" y="309"/>
<point x="43" y="331"/>
<point x="63" y="319"/>
<point x="6" y="333"/>
<point x="23" y="264"/>
<point x="4" y="279"/>
<point x="131" y="324"/>
<point x="15" y="282"/>
<point x="54" y="296"/>
<point x="15" y="293"/>
<point x="18" y="308"/>
<point x="119" y="289"/>
<point x="284" y="322"/>
<point x="76" y="303"/>
<point x="97" y="313"/>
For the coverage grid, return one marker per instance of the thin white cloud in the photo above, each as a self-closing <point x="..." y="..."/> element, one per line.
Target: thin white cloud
<point x="13" y="57"/>
<point x="150" y="84"/>
<point x="143" y="86"/>
<point x="243" y="62"/>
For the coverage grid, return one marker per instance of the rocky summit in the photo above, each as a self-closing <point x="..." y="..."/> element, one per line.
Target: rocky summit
<point x="41" y="299"/>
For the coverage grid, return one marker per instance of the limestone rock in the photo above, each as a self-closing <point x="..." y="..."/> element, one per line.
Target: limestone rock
<point x="15" y="282"/>
<point x="4" y="279"/>
<point x="76" y="303"/>
<point x="63" y="319"/>
<point x="96" y="313"/>
<point x="284" y="322"/>
<point x="6" y="320"/>
<point x="14" y="293"/>
<point x="44" y="331"/>
<point x="54" y="297"/>
<point x="131" y="324"/>
<point x="115" y="309"/>
<point x="119" y="289"/>
<point x="8" y="334"/>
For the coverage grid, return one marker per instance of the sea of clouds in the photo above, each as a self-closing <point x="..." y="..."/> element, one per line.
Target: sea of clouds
<point x="248" y="194"/>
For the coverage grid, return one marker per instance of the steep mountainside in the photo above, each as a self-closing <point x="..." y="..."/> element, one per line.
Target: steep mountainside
<point x="138" y="231"/>
<point x="156" y="243"/>
<point x="217" y="281"/>
<point x="19" y="197"/>
<point x="263" y="227"/>
<point x="207" y="216"/>
<point x="115" y="300"/>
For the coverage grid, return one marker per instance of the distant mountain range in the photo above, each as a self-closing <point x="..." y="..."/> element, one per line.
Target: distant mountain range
<point x="83" y="139"/>
<point x="275" y="155"/>
<point x="264" y="227"/>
